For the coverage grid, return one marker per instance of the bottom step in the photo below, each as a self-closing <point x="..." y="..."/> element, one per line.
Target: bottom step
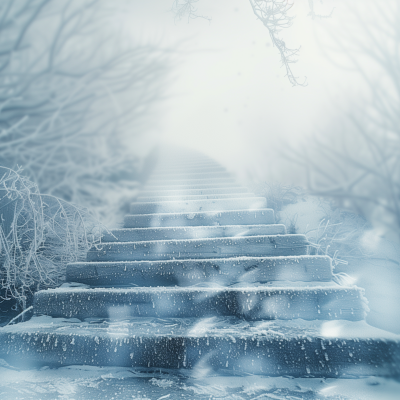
<point x="274" y="348"/>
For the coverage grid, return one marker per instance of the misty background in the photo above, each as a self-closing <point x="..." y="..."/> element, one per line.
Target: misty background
<point x="89" y="88"/>
<point x="229" y="96"/>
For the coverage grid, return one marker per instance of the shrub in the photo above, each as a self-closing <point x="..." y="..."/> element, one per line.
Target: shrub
<point x="39" y="236"/>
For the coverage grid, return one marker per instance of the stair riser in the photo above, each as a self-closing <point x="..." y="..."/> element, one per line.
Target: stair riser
<point x="196" y="192"/>
<point x="252" y="246"/>
<point x="224" y="271"/>
<point x="183" y="165"/>
<point x="193" y="169"/>
<point x="210" y="174"/>
<point x="297" y="357"/>
<point x="269" y="303"/>
<point x="152" y="199"/>
<point x="256" y="217"/>
<point x="199" y="205"/>
<point x="145" y="234"/>
<point x="190" y="186"/>
<point x="191" y="181"/>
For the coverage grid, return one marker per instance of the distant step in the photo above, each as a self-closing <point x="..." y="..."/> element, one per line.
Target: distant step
<point x="191" y="232"/>
<point x="207" y="174"/>
<point x="169" y="170"/>
<point x="238" y="217"/>
<point x="191" y="186"/>
<point x="197" y="178"/>
<point x="196" y="192"/>
<point x="297" y="348"/>
<point x="189" y="181"/>
<point x="217" y="271"/>
<point x="258" y="246"/>
<point x="151" y="199"/>
<point x="245" y="203"/>
<point x="309" y="303"/>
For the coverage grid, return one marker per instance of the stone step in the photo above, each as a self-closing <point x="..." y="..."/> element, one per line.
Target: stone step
<point x="326" y="302"/>
<point x="251" y="246"/>
<point x="209" y="173"/>
<point x="219" y="271"/>
<point x="196" y="192"/>
<point x="189" y="181"/>
<point x="152" y="199"/>
<point x="188" y="171"/>
<point x="183" y="166"/>
<point x="188" y="206"/>
<point x="190" y="186"/>
<point x="220" y="345"/>
<point x="238" y="217"/>
<point x="191" y="232"/>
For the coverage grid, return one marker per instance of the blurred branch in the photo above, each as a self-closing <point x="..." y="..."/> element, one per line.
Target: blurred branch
<point x="358" y="164"/>
<point x="187" y="8"/>
<point x="70" y="91"/>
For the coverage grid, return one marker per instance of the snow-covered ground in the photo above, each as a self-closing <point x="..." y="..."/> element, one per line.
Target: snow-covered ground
<point x="87" y="383"/>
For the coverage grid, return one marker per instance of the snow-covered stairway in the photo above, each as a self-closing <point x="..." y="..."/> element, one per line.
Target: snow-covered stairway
<point x="201" y="277"/>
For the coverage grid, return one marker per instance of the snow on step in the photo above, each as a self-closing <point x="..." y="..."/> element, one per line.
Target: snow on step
<point x="151" y="199"/>
<point x="191" y="186"/>
<point x="191" y="232"/>
<point x="252" y="303"/>
<point x="207" y="174"/>
<point x="220" y="345"/>
<point x="196" y="192"/>
<point x="238" y="217"/>
<point x="190" y="181"/>
<point x="258" y="246"/>
<point x="217" y="271"/>
<point x="246" y="203"/>
<point x="191" y="167"/>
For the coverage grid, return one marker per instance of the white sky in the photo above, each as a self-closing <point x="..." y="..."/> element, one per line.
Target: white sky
<point x="229" y="97"/>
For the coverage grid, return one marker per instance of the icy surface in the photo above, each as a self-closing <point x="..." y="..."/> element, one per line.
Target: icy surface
<point x="213" y="326"/>
<point x="87" y="383"/>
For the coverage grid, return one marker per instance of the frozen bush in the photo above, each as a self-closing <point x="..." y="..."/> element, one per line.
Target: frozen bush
<point x="39" y="235"/>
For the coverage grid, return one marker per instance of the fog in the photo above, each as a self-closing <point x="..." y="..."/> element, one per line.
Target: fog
<point x="230" y="97"/>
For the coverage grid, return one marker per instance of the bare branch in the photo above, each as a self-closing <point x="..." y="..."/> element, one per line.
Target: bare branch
<point x="274" y="14"/>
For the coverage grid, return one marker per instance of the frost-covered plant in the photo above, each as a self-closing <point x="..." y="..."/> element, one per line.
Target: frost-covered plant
<point x="279" y="195"/>
<point x="39" y="236"/>
<point x="338" y="235"/>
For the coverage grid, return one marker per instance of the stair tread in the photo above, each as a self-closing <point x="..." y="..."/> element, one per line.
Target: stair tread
<point x="192" y="232"/>
<point x="224" y="271"/>
<point x="151" y="199"/>
<point x="321" y="301"/>
<point x="260" y="245"/>
<point x="201" y="218"/>
<point x="198" y="205"/>
<point x="224" y="326"/>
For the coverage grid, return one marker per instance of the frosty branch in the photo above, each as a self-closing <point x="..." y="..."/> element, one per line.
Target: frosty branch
<point x="274" y="14"/>
<point x="39" y="236"/>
